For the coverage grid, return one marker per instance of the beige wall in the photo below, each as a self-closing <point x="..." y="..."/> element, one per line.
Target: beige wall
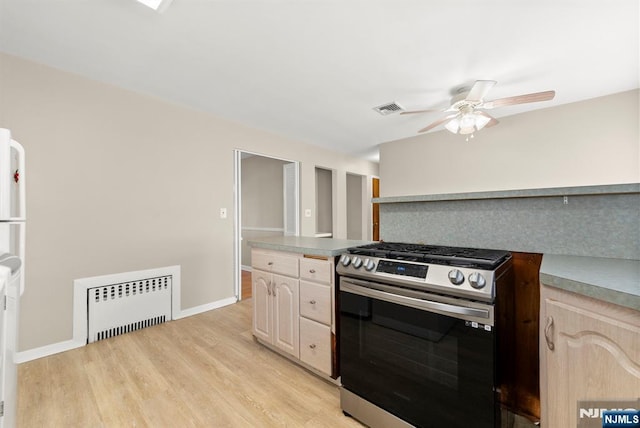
<point x="262" y="192"/>
<point x="120" y="182"/>
<point x="586" y="143"/>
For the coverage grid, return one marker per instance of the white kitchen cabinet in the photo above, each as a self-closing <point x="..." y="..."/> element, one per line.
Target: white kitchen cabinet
<point x="294" y="307"/>
<point x="317" y="313"/>
<point x="315" y="345"/>
<point x="589" y="350"/>
<point x="315" y="302"/>
<point x="276" y="300"/>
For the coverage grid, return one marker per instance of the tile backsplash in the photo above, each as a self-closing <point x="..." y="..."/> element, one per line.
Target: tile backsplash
<point x="597" y="225"/>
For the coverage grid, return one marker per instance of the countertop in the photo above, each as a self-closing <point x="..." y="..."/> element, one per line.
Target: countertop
<point x="307" y="245"/>
<point x="612" y="280"/>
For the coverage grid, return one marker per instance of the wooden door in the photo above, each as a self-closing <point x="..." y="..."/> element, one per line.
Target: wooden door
<point x="375" y="208"/>
<point x="262" y="305"/>
<point x="286" y="310"/>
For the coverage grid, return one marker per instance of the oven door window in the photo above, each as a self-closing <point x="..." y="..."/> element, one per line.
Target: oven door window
<point x="426" y="368"/>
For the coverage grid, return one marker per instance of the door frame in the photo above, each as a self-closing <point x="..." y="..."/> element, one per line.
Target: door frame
<point x="237" y="216"/>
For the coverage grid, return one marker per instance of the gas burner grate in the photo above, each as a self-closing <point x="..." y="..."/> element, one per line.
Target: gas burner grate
<point x="454" y="256"/>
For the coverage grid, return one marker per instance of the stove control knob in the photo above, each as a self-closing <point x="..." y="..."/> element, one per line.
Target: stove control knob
<point x="357" y="262"/>
<point x="477" y="281"/>
<point x="345" y="260"/>
<point x="369" y="264"/>
<point x="456" y="277"/>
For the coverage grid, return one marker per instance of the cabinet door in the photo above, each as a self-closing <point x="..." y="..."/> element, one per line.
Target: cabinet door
<point x="262" y="305"/>
<point x="594" y="357"/>
<point x="286" y="322"/>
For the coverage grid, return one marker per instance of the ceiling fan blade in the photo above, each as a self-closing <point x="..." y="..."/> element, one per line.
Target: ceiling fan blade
<point x="438" y="122"/>
<point x="420" y="111"/>
<point x="480" y="89"/>
<point x="520" y="99"/>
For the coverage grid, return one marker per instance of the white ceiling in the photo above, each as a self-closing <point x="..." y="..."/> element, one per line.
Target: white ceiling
<point x="312" y="70"/>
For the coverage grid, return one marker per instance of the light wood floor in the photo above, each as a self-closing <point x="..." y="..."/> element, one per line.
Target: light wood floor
<point x="201" y="371"/>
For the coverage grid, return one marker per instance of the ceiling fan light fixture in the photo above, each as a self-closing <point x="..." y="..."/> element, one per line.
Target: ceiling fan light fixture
<point x="453" y="125"/>
<point x="468" y="120"/>
<point x="467" y="123"/>
<point x="467" y="130"/>
<point x="481" y="121"/>
<point x="467" y="105"/>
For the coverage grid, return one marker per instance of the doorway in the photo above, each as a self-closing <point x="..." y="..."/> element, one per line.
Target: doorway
<point x="266" y="204"/>
<point x="375" y="209"/>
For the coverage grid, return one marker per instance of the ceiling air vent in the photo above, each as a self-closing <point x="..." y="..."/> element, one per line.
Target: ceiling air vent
<point x="389" y="108"/>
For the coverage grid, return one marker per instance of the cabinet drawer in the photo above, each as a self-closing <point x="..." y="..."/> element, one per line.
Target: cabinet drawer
<point x="315" y="345"/>
<point x="316" y="270"/>
<point x="315" y="301"/>
<point x="274" y="261"/>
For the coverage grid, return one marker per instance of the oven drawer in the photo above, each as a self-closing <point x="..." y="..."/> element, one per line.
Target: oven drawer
<point x="315" y="345"/>
<point x="315" y="301"/>
<point x="316" y="270"/>
<point x="275" y="262"/>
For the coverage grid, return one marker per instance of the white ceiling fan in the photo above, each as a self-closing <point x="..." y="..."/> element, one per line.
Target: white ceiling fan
<point x="466" y="110"/>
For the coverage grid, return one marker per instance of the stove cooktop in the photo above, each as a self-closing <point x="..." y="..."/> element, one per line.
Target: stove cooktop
<point x="452" y="256"/>
<point x="456" y="271"/>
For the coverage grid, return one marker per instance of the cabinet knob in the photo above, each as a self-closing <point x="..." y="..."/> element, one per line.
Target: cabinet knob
<point x="547" y="334"/>
<point x="313" y="302"/>
<point x="270" y="263"/>
<point x="312" y="346"/>
<point x="312" y="271"/>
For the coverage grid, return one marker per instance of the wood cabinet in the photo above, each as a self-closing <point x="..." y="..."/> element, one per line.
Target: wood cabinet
<point x="517" y="326"/>
<point x="276" y="300"/>
<point x="294" y="307"/>
<point x="589" y="350"/>
<point x="316" y="312"/>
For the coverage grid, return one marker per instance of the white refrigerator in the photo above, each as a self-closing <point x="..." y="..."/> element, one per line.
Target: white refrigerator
<point x="12" y="255"/>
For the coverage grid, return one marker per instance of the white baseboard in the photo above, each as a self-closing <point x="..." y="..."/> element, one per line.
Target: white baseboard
<point x="248" y="268"/>
<point x="45" y="351"/>
<point x="67" y="345"/>
<point x="208" y="307"/>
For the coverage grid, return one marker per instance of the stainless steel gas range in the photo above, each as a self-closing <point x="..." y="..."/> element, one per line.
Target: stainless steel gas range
<point x="418" y="334"/>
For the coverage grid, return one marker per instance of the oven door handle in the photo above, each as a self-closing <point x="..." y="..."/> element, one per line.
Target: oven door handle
<point x="443" y="308"/>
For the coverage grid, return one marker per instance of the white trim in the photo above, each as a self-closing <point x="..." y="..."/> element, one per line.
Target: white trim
<point x="68" y="345"/>
<point x="247" y="268"/>
<point x="80" y="287"/>
<point x="207" y="307"/>
<point x="237" y="222"/>
<point x="263" y="229"/>
<point x="45" y="351"/>
<point x="237" y="218"/>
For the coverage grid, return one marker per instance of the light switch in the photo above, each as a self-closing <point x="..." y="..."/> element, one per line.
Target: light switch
<point x="223" y="213"/>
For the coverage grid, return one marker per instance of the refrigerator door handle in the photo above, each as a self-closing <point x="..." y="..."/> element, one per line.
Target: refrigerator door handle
<point x="22" y="188"/>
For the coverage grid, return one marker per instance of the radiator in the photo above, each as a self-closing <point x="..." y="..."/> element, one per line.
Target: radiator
<point x="120" y="308"/>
